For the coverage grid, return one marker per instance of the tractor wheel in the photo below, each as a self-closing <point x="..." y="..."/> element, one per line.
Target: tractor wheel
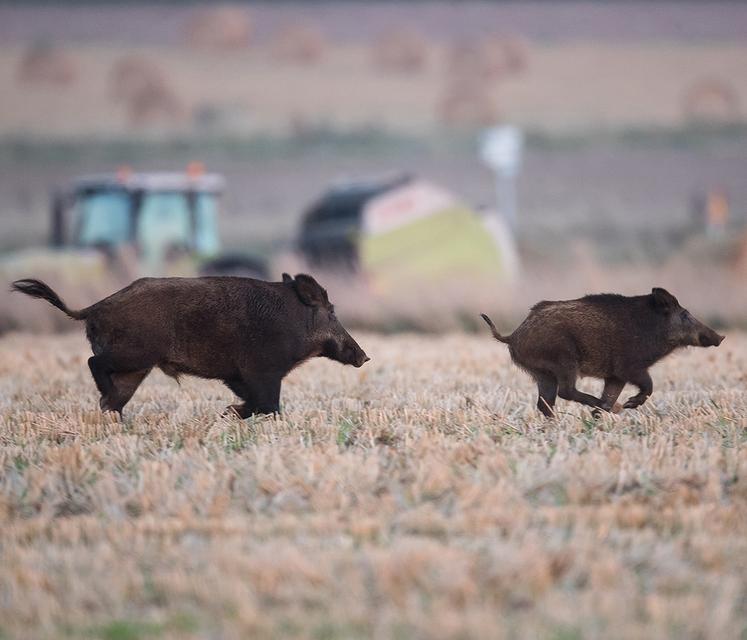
<point x="245" y="266"/>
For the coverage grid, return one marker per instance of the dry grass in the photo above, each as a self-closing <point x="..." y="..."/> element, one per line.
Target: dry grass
<point x="419" y="497"/>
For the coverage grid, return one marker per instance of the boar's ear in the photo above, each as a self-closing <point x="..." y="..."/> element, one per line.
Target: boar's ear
<point x="287" y="279"/>
<point x="663" y="300"/>
<point x="310" y="291"/>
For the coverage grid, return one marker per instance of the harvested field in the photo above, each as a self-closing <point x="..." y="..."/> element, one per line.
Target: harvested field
<point x="562" y="88"/>
<point x="418" y="497"/>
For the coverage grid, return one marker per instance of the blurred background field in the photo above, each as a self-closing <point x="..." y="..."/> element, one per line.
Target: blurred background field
<point x="633" y="117"/>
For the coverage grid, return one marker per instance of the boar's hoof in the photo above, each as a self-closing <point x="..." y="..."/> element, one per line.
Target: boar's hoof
<point x="243" y="411"/>
<point x="235" y="411"/>
<point x="106" y="407"/>
<point x="636" y="401"/>
<point x="615" y="408"/>
<point x="545" y="408"/>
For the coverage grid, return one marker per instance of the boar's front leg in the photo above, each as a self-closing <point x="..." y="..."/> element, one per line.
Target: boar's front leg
<point x="612" y="389"/>
<point x="261" y="395"/>
<point x="645" y="385"/>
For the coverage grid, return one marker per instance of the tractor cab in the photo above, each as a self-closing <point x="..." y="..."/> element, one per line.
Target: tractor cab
<point x="110" y="229"/>
<point x="162" y="216"/>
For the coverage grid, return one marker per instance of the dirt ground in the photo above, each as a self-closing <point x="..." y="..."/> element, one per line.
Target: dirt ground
<point x="590" y="69"/>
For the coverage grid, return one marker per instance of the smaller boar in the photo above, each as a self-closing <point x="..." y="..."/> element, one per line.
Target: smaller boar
<point x="247" y="333"/>
<point x="613" y="337"/>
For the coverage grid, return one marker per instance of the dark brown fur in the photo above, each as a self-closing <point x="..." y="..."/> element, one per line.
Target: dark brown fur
<point x="608" y="336"/>
<point x="247" y="333"/>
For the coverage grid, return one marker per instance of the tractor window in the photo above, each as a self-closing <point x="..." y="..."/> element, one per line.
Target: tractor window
<point x="164" y="225"/>
<point x="206" y="231"/>
<point x="103" y="218"/>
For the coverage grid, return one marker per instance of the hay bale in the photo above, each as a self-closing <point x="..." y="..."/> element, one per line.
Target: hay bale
<point x="44" y="64"/>
<point x="301" y="43"/>
<point x="142" y="86"/>
<point x="131" y="74"/>
<point x="400" y="51"/>
<point x="492" y="58"/>
<point x="466" y="98"/>
<point x="711" y="100"/>
<point x="221" y="28"/>
<point x="502" y="57"/>
<point x="471" y="71"/>
<point x="465" y="58"/>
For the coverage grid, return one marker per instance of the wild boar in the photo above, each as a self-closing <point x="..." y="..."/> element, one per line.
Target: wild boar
<point x="247" y="333"/>
<point x="609" y="336"/>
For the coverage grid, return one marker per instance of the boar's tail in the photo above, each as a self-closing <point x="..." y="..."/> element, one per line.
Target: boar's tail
<point x="37" y="289"/>
<point x="494" y="331"/>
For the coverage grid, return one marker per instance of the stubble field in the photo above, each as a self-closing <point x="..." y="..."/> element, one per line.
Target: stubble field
<point x="418" y="497"/>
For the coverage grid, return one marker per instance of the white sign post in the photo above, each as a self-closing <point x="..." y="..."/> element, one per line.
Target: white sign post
<point x="500" y="149"/>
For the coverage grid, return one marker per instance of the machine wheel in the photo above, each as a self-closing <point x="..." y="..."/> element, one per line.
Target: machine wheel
<point x="232" y="265"/>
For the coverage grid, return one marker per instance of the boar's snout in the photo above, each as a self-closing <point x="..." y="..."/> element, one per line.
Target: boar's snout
<point x="689" y="331"/>
<point x="706" y="337"/>
<point x="709" y="338"/>
<point x="352" y="354"/>
<point x="345" y="351"/>
<point x="357" y="357"/>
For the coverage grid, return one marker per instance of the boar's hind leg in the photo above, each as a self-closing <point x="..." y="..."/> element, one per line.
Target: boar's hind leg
<point x="123" y="386"/>
<point x="645" y="386"/>
<point x="101" y="371"/>
<point x="567" y="388"/>
<point x="260" y="395"/>
<point x="547" y="386"/>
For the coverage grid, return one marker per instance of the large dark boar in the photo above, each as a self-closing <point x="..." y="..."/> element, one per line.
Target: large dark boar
<point x="245" y="332"/>
<point x="607" y="336"/>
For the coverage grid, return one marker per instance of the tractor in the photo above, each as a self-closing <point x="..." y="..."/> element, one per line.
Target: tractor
<point x="169" y="221"/>
<point x="109" y="229"/>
